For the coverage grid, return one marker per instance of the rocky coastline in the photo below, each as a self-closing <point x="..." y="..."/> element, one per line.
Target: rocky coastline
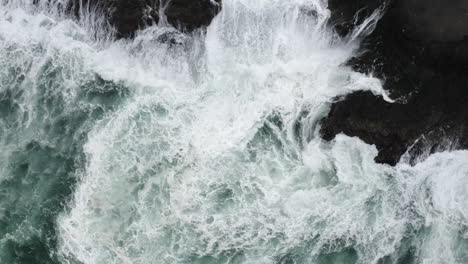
<point x="419" y="49"/>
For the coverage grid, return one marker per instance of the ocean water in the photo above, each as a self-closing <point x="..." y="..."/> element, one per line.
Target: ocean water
<point x="204" y="148"/>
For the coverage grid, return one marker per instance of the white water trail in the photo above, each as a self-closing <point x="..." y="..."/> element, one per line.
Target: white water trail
<point x="215" y="157"/>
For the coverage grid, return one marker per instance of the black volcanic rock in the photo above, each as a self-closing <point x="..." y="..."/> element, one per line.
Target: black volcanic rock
<point x="433" y="119"/>
<point x="419" y="48"/>
<point x="190" y="14"/>
<point x="127" y="16"/>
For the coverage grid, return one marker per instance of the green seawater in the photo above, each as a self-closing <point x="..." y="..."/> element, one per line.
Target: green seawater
<point x="42" y="148"/>
<point x="205" y="148"/>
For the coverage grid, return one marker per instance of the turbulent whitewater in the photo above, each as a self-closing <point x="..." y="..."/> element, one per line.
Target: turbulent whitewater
<point x="204" y="147"/>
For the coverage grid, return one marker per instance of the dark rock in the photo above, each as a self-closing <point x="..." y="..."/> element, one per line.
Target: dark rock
<point x="127" y="16"/>
<point x="124" y="16"/>
<point x="190" y="14"/>
<point x="395" y="127"/>
<point x="347" y="14"/>
<point x="419" y="48"/>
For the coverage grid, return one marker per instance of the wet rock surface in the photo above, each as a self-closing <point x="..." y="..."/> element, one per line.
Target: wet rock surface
<point x="419" y="49"/>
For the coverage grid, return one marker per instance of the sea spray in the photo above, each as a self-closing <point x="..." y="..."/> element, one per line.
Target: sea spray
<point x="204" y="148"/>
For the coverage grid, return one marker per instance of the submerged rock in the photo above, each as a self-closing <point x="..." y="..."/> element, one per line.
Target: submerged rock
<point x="127" y="16"/>
<point x="419" y="48"/>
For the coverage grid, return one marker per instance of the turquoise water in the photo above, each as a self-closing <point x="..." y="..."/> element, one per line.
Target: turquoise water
<point x="205" y="148"/>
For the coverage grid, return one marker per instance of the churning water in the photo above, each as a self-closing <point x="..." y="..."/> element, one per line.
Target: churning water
<point x="204" y="148"/>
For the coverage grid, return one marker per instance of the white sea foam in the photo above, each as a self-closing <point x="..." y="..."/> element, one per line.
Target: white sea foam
<point x="214" y="156"/>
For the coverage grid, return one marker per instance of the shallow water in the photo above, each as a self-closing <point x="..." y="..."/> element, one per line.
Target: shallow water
<point x="172" y="148"/>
